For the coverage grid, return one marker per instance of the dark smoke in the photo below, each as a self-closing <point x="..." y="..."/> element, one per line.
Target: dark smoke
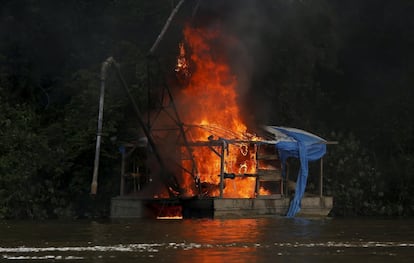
<point x="255" y="27"/>
<point x="241" y="23"/>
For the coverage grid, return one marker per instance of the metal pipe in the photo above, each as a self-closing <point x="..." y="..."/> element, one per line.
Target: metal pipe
<point x="164" y="29"/>
<point x="104" y="69"/>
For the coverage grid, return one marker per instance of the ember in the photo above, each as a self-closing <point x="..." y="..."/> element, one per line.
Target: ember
<point x="182" y="68"/>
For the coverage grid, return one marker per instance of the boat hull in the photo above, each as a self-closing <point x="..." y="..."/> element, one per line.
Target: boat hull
<point x="134" y="207"/>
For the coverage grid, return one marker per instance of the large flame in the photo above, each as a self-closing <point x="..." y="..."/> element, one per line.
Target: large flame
<point x="210" y="99"/>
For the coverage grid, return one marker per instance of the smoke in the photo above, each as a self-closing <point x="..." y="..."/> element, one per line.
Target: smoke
<point x="244" y="24"/>
<point x="247" y="22"/>
<point x="273" y="47"/>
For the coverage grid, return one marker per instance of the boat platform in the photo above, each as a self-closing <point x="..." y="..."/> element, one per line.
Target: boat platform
<point x="135" y="207"/>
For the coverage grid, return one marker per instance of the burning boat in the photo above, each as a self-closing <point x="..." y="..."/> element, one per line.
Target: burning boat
<point x="200" y="159"/>
<point x="249" y="178"/>
<point x="197" y="157"/>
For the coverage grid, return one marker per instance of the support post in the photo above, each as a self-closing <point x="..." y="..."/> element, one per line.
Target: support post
<point x="287" y="179"/>
<point x="222" y="168"/>
<point x="122" y="184"/>
<point x="321" y="179"/>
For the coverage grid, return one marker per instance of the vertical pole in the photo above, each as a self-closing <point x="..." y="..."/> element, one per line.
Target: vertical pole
<point x="287" y="178"/>
<point x="222" y="169"/>
<point x="94" y="185"/>
<point x="257" y="184"/>
<point x="122" y="185"/>
<point x="321" y="178"/>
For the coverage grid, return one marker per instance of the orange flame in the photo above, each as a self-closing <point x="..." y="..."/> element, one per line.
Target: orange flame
<point x="210" y="99"/>
<point x="167" y="211"/>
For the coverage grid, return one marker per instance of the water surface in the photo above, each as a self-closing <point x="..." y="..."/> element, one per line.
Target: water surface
<point x="207" y="240"/>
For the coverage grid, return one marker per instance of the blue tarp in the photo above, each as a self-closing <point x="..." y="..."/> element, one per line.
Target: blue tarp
<point x="300" y="144"/>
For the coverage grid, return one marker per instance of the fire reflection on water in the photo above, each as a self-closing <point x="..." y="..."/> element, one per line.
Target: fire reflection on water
<point x="212" y="234"/>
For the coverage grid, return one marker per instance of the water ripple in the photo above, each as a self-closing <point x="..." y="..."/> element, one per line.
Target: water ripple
<point x="155" y="247"/>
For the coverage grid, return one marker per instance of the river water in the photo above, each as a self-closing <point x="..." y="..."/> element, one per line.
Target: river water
<point x="206" y="240"/>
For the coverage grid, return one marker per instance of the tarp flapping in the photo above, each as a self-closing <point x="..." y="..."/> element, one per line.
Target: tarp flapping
<point x="300" y="144"/>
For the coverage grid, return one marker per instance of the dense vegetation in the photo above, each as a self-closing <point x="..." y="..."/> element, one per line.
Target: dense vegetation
<point x="341" y="69"/>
